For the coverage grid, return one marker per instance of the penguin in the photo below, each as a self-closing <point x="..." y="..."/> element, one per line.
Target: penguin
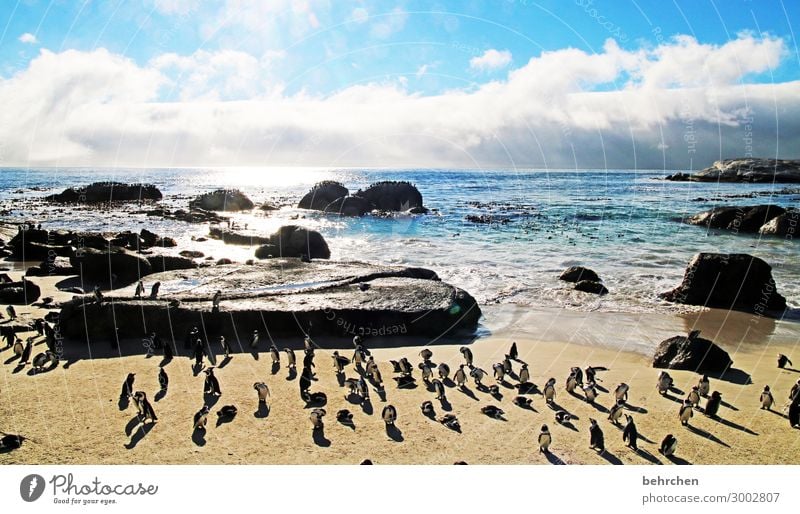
<point x="361" y="388"/>
<point x="664" y="382"/>
<point x="550" y="391"/>
<point x="405" y="367"/>
<point x="39" y="361"/>
<point x="794" y="392"/>
<point x="493" y="411"/>
<point x="215" y="301"/>
<point x="358" y="341"/>
<point x="127" y="386"/>
<point x="545" y="439"/>
<point x="262" y="390"/>
<point x="316" y="418"/>
<point x="578" y="372"/>
<point x="139" y="290"/>
<point x="596" y="438"/>
<point x="145" y="408"/>
<point x="371" y="366"/>
<point x="12" y="313"/>
<point x="712" y="405"/>
<point x="467" y="353"/>
<point x="630" y="434"/>
<point x="477" y="374"/>
<point x="694" y="396"/>
<point x="685" y="413"/>
<point x="26" y="352"/>
<point x="199" y="352"/>
<point x="18" y="347"/>
<point x="344" y="417"/>
<point x="98" y="295"/>
<point x="376" y="378"/>
<point x="191" y="337"/>
<point x="589" y="393"/>
<point x="521" y="401"/>
<point x="451" y="422"/>
<point x="703" y="386"/>
<point x="351" y="384"/>
<point x="201" y="418"/>
<point x="668" y="446"/>
<point x="275" y="354"/>
<point x="782" y="360"/>
<point x="438" y="387"/>
<point x="359" y="356"/>
<point x="226" y="347"/>
<point x="389" y="414"/>
<point x="766" y="399"/>
<point x="254" y="339"/>
<point x="590" y="374"/>
<point x="163" y="380"/>
<point x="339" y="362"/>
<point x="513" y="354"/>
<point x="427" y="408"/>
<point x="494" y="390"/>
<point x="507" y="366"/>
<point x="621" y="392"/>
<point x="211" y="385"/>
<point x="460" y="376"/>
<point x="563" y="417"/>
<point x="308" y="359"/>
<point x="444" y="371"/>
<point x="315" y="398"/>
<point x="499" y="372"/>
<point x="572" y="383"/>
<point x="154" y="290"/>
<point x="291" y="361"/>
<point x="227" y="412"/>
<point x="794" y="412"/>
<point x="308" y="343"/>
<point x="11" y="441"/>
<point x="305" y="381"/>
<point x="615" y="413"/>
<point x="426" y="354"/>
<point x="524" y="374"/>
<point x="427" y="372"/>
<point x="395" y="366"/>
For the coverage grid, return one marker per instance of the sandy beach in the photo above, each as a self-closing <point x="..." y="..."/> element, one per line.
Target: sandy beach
<point x="72" y="416"/>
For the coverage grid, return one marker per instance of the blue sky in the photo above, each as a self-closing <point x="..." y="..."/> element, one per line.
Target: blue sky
<point x="180" y="52"/>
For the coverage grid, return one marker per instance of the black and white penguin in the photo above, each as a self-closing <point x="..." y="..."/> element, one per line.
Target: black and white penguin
<point x="427" y="372"/>
<point x="225" y="346"/>
<point x="794" y="392"/>
<point x="215" y="300"/>
<point x="262" y="390"/>
<point x="578" y="372"/>
<point x="493" y="411"/>
<point x="358" y="341"/>
<point x="305" y="381"/>
<point x="494" y="390"/>
<point x="477" y="374"/>
<point x="344" y="417"/>
<point x="621" y="392"/>
<point x="664" y="382"/>
<point x="629" y="434"/>
<point x="444" y="371"/>
<point x="316" y="418"/>
<point x="668" y="446"/>
<point x="154" y="290"/>
<point x="11" y="441"/>
<point x="18" y="346"/>
<point x="427" y="409"/>
<point x="524" y="374"/>
<point x="12" y="313"/>
<point x="275" y="354"/>
<point x="291" y="361"/>
<point x="352" y="385"/>
<point x="201" y="418"/>
<point x="145" y="408"/>
<point x="191" y="337"/>
<point x="163" y="380"/>
<point x="521" y="401"/>
<point x="589" y="392"/>
<point x="438" y="388"/>
<point x="545" y="439"/>
<point x="227" y="412"/>
<point x="405" y="367"/>
<point x="507" y="365"/>
<point x="766" y="399"/>
<point x="359" y="356"/>
<point x="590" y="374"/>
<point x="361" y="388"/>
<point x="571" y="383"/>
<point x="127" y="386"/>
<point x="371" y="366"/>
<point x="562" y="417"/>
<point x="389" y="415"/>
<point x="467" y="353"/>
<point x="211" y="385"/>
<point x="199" y="352"/>
<point x="703" y="386"/>
<point x="339" y="362"/>
<point x="451" y="422"/>
<point x="615" y="414"/>
<point x="426" y="354"/>
<point x="794" y="412"/>
<point x="783" y="361"/>
<point x="98" y="295"/>
<point x="713" y="403"/>
<point x="499" y="372"/>
<point x="254" y="339"/>
<point x="139" y="290"/>
<point x="513" y="354"/>
<point x="39" y="361"/>
<point x="694" y="396"/>
<point x="596" y="438"/>
<point x="550" y="391"/>
<point x="308" y="358"/>
<point x="26" y="352"/>
<point x="460" y="376"/>
<point x="685" y="413"/>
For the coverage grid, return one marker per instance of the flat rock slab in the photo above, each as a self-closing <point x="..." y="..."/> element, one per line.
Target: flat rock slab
<point x="281" y="297"/>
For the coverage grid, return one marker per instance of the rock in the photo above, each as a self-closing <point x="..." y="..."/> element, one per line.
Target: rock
<point x="692" y="353"/>
<point x="578" y="273"/>
<point x="266" y="206"/>
<point x="755" y="217"/>
<point x="128" y="240"/>
<point x="785" y="225"/>
<point x="286" y="295"/>
<point x="165" y="242"/>
<point x="349" y="206"/>
<point x="23" y="292"/>
<point x="100" y="266"/>
<point x="745" y="219"/>
<point x="728" y="281"/>
<point x="31" y="251"/>
<point x="52" y="267"/>
<point x="161" y="263"/>
<point x="322" y="194"/>
<point x="294" y="241"/>
<point x="591" y="286"/>
<point x="148" y="238"/>
<point x="107" y="192"/>
<point x="224" y="261"/>
<point x="222" y="200"/>
<point x="191" y="254"/>
<point x="234" y="238"/>
<point x="392" y="196"/>
<point x="746" y="170"/>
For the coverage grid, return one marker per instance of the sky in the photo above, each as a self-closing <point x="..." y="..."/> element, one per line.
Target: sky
<point x="503" y="83"/>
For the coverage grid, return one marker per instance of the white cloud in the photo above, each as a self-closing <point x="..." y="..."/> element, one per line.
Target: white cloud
<point x="388" y="23"/>
<point x="359" y="15"/>
<point x="491" y="60"/>
<point x="180" y="7"/>
<point x="28" y="38"/>
<point x="422" y="70"/>
<point x="618" y="108"/>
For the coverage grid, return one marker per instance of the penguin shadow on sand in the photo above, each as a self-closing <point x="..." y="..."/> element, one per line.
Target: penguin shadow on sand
<point x="340" y="378"/>
<point x="348" y="423"/>
<point x="679" y="461"/>
<point x="318" y="435"/>
<point x="734" y="376"/>
<point x="164" y="362"/>
<point x="646" y="455"/>
<point x="610" y="458"/>
<point x="160" y="395"/>
<point x="224" y="362"/>
<point x="468" y="392"/>
<point x="381" y="394"/>
<point x="729" y="406"/>
<point x="366" y="407"/>
<point x="222" y="420"/>
<point x="263" y="411"/>
<point x="635" y="408"/>
<point x="448" y="382"/>
<point x="569" y="425"/>
<point x="292" y="374"/>
<point x="18" y="368"/>
<point x="735" y="426"/>
<point x="199" y="436"/>
<point x="672" y="398"/>
<point x="394" y="433"/>
<point x="196" y="369"/>
<point x="276" y="367"/>
<point x="210" y="399"/>
<point x="123" y="403"/>
<point x="554" y="459"/>
<point x="707" y="435"/>
<point x="445" y="405"/>
<point x="139" y="433"/>
<point x="600" y="388"/>
<point x="529" y="388"/>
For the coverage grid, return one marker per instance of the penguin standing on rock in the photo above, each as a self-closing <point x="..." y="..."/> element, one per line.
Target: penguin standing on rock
<point x="685" y="413"/>
<point x="544" y="440"/>
<point x="154" y="290"/>
<point x="467" y="353"/>
<point x="127" y="386"/>
<point x="201" y="418"/>
<point x="12" y="313"/>
<point x="389" y="415"/>
<point x="596" y="439"/>
<point x="460" y="376"/>
<point x="668" y="446"/>
<point x="713" y="403"/>
<point x="211" y="385"/>
<point x="630" y="434"/>
<point x="766" y="399"/>
<point x="139" y="290"/>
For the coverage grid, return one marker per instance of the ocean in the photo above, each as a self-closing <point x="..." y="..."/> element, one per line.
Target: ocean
<point x="623" y="224"/>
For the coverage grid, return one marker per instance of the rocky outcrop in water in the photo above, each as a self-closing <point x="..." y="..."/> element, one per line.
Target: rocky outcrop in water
<point x="322" y="194"/>
<point x="578" y="273"/>
<point x="222" y="200"/>
<point x="691" y="353"/>
<point x="747" y="219"/>
<point x="591" y="286"/>
<point x="294" y="241"/>
<point x="728" y="281"/>
<point x="785" y="225"/>
<point x="745" y="170"/>
<point x="388" y="196"/>
<point x="287" y="296"/>
<point x="394" y="196"/>
<point x="107" y="192"/>
<point x="234" y="238"/>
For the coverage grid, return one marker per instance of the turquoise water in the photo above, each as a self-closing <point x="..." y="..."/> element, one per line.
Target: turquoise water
<point x="620" y="223"/>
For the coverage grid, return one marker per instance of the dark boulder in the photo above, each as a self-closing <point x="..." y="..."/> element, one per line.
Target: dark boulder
<point x="718" y="217"/>
<point x="392" y="196"/>
<point x="691" y="353"/>
<point x="235" y="238"/>
<point x="129" y="240"/>
<point x="755" y="217"/>
<point x="148" y="238"/>
<point x="745" y="219"/>
<point x="591" y="286"/>
<point x="266" y="207"/>
<point x="52" y="267"/>
<point x="31" y="251"/>
<point x="23" y="292"/>
<point x="294" y="241"/>
<point x="349" y="206"/>
<point x="114" y="265"/>
<point x="578" y="273"/>
<point x="191" y="254"/>
<point x="161" y="263"/>
<point x="107" y="192"/>
<point x="165" y="242"/>
<point x="753" y="170"/>
<point x="728" y="281"/>
<point x="786" y="225"/>
<point x="222" y="200"/>
<point x="322" y="194"/>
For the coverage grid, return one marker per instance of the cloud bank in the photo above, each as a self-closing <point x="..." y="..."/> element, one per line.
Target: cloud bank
<point x="679" y="105"/>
